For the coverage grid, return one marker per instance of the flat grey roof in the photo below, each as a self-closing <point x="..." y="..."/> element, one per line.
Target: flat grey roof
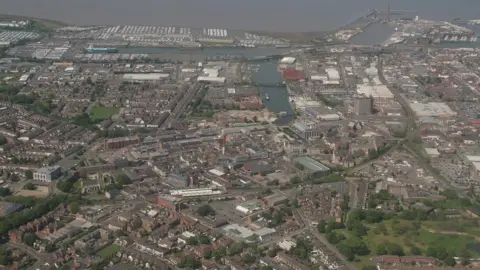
<point x="312" y="164"/>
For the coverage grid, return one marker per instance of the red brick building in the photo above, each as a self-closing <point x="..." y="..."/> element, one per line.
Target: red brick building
<point x="121" y="142"/>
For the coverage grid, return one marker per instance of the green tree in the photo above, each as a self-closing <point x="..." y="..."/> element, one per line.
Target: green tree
<point x="205" y="210"/>
<point x="29" y="239"/>
<point x="465" y="256"/>
<point x="295" y="180"/>
<point x="50" y="248"/>
<point x="321" y="226"/>
<point x="29" y="174"/>
<point x="272" y="253"/>
<point x="450" y="261"/>
<point x="29" y="186"/>
<point x="358" y="229"/>
<point x="3" y="140"/>
<point x="381" y="249"/>
<point x="203" y="239"/>
<point x="74" y="207"/>
<point x="248" y="259"/>
<point x="192" y="241"/>
<point x="4" y="192"/>
<point x="123" y="179"/>
<point x="207" y="255"/>
<point x="414" y="250"/>
<point x="395" y="249"/>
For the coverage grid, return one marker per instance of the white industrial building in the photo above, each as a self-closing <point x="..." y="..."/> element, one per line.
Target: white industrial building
<point x="432" y="109"/>
<point x="24" y="78"/>
<point x="288" y="60"/>
<point x="192" y="192"/>
<point x="329" y="117"/>
<point x="287" y="244"/>
<point x="332" y="74"/>
<point x="240" y="232"/>
<point x="376" y="91"/>
<point x="210" y="79"/>
<point x="145" y="76"/>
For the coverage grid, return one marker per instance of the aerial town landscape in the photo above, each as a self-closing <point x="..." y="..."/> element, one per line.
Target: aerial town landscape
<point x="162" y="147"/>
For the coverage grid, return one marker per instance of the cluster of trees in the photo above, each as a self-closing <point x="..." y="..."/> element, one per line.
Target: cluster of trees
<point x="5" y="257"/>
<point x="4" y="191"/>
<point x="190" y="262"/>
<point x="328" y="227"/>
<point x="378" y="198"/>
<point x="205" y="210"/>
<point x="3" y="140"/>
<point x="235" y="248"/>
<point x="276" y="216"/>
<point x="390" y="249"/>
<point x="66" y="186"/>
<point x="373" y="154"/>
<point x="353" y="246"/>
<point x="29" y="238"/>
<point x="441" y="253"/>
<point x="123" y="179"/>
<point x="33" y="209"/>
<point x="201" y="239"/>
<point x="302" y="249"/>
<point x="85" y="120"/>
<point x="254" y="120"/>
<point x="329" y="102"/>
<point x="201" y="107"/>
<point x="114" y="133"/>
<point x="29" y="186"/>
<point x="428" y="80"/>
<point x="29" y="174"/>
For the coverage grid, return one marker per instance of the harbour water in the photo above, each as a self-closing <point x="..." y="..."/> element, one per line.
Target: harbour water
<point x="279" y="99"/>
<point x="375" y="34"/>
<point x="249" y="53"/>
<point x="278" y="15"/>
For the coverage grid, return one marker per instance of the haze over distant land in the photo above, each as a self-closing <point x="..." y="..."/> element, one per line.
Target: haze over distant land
<point x="275" y="15"/>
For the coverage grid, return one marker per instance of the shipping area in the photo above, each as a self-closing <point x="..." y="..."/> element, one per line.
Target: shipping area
<point x="162" y="147"/>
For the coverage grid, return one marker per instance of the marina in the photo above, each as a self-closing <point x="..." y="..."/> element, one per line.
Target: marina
<point x="278" y="97"/>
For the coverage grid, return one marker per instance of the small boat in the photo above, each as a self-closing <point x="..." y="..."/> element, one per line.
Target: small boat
<point x="267" y="97"/>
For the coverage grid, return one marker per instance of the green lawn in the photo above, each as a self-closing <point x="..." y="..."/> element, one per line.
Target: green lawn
<point x="108" y="251"/>
<point x="422" y="239"/>
<point x="99" y="113"/>
<point x="453" y="243"/>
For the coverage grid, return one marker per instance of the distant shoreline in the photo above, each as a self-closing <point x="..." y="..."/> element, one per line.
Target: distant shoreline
<point x="46" y="21"/>
<point x="293" y="36"/>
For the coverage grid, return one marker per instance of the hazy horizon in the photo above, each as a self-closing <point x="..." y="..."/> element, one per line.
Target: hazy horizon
<point x="280" y="15"/>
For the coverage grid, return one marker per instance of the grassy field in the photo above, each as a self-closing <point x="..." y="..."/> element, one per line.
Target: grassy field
<point x="421" y="238"/>
<point x="108" y="251"/>
<point x="103" y="112"/>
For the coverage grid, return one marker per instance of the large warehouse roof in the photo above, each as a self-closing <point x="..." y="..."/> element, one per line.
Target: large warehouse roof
<point x="432" y="109"/>
<point x="288" y="60"/>
<point x="211" y="79"/>
<point x="377" y="91"/>
<point x="311" y="164"/>
<point x="145" y="76"/>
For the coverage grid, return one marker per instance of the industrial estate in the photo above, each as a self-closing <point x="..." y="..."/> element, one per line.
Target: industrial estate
<point x="161" y="147"/>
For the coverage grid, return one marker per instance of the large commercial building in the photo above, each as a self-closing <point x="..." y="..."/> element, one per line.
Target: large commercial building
<point x="312" y="166"/>
<point x="307" y="130"/>
<point x="376" y="91"/>
<point x="47" y="174"/>
<point x="168" y="201"/>
<point x="121" y="142"/>
<point x="145" y="76"/>
<point x="363" y="105"/>
<point x="432" y="109"/>
<point x="332" y="74"/>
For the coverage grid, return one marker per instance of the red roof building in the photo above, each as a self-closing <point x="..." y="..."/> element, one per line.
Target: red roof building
<point x="292" y="74"/>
